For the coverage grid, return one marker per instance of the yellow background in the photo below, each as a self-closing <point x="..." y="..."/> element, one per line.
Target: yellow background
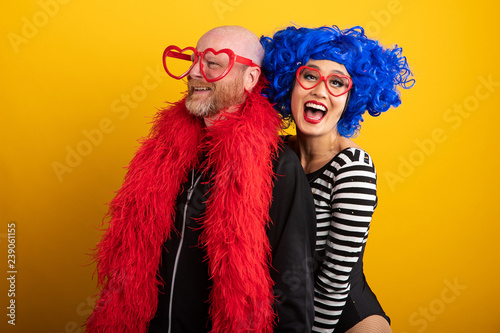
<point x="80" y="81"/>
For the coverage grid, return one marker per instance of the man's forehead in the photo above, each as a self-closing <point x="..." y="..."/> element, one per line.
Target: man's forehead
<point x="218" y="41"/>
<point x="240" y="40"/>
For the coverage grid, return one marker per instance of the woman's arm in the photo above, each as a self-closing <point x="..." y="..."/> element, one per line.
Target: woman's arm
<point x="353" y="200"/>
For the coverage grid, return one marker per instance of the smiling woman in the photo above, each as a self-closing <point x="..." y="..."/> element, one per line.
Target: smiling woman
<point x="340" y="75"/>
<point x="317" y="107"/>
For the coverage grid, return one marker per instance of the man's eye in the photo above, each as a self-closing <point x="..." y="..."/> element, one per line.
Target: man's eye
<point x="213" y="65"/>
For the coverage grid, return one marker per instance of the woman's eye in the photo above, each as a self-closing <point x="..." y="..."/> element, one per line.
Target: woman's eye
<point x="336" y="83"/>
<point x="310" y="77"/>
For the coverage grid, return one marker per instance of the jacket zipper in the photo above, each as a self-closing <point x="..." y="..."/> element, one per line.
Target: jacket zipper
<point x="188" y="200"/>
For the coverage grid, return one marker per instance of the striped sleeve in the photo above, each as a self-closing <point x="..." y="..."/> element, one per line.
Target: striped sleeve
<point x="342" y="231"/>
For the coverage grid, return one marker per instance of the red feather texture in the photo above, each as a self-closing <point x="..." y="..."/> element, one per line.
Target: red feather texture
<point x="237" y="215"/>
<point x="141" y="215"/>
<point x="241" y="148"/>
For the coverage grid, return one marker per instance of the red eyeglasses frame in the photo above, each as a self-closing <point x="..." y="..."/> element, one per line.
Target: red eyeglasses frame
<point x="178" y="53"/>
<point x="323" y="78"/>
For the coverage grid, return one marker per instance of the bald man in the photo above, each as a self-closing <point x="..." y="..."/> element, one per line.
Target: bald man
<point x="229" y="91"/>
<point x="213" y="229"/>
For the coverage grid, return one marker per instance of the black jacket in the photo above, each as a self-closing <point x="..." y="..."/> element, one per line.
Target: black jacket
<point x="291" y="237"/>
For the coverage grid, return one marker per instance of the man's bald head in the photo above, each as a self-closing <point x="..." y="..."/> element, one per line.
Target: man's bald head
<point x="206" y="99"/>
<point x="240" y="40"/>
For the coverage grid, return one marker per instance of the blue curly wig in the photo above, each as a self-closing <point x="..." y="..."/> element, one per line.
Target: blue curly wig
<point x="376" y="71"/>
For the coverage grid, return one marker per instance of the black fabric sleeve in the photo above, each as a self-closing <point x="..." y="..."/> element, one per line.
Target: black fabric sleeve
<point x="292" y="238"/>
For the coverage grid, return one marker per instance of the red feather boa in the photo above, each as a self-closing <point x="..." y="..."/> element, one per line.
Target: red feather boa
<point x="240" y="151"/>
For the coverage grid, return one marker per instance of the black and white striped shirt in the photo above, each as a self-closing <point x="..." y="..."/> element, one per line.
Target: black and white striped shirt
<point x="345" y="196"/>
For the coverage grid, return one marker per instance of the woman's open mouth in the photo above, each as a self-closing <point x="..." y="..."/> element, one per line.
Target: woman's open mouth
<point x="314" y="112"/>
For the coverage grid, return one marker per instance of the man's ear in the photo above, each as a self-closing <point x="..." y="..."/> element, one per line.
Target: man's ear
<point x="252" y="77"/>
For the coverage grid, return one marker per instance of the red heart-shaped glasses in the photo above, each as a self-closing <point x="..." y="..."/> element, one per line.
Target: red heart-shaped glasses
<point x="214" y="65"/>
<point x="336" y="84"/>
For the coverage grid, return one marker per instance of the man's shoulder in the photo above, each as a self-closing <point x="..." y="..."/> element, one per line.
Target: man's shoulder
<point x="286" y="160"/>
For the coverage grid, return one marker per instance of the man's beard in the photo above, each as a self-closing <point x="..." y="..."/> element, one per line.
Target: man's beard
<point x="221" y="95"/>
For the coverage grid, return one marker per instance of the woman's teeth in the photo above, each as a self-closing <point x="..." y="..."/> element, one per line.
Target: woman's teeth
<point x="314" y="111"/>
<point x="316" y="106"/>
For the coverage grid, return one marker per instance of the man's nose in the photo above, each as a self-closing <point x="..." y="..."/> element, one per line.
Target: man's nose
<point x="195" y="72"/>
